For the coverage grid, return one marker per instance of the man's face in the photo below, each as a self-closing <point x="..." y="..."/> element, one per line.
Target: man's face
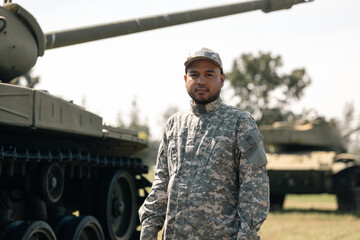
<point x="203" y="81"/>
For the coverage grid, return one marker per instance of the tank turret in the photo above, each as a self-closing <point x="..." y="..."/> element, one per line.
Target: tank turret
<point x="310" y="157"/>
<point x="63" y="173"/>
<point x="318" y="134"/>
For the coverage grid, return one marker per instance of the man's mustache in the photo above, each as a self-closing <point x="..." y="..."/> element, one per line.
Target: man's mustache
<point x="201" y="88"/>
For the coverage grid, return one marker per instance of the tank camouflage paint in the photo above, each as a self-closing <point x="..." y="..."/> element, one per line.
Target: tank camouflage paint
<point x="63" y="173"/>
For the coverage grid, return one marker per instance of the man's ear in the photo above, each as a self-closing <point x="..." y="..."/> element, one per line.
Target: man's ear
<point x="185" y="78"/>
<point x="222" y="78"/>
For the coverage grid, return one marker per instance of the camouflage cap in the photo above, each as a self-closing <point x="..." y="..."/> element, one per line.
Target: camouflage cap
<point x="204" y="54"/>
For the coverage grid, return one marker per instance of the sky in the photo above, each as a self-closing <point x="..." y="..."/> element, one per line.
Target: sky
<point x="105" y="76"/>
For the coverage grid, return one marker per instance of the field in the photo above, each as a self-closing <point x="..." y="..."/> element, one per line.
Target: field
<point x="311" y="217"/>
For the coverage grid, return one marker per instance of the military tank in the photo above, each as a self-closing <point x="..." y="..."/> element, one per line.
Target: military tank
<point x="310" y="157"/>
<point x="63" y="173"/>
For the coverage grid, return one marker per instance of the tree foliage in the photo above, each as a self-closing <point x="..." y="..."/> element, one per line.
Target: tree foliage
<point x="263" y="90"/>
<point x="349" y="125"/>
<point x="148" y="155"/>
<point x="135" y="123"/>
<point x="169" y="111"/>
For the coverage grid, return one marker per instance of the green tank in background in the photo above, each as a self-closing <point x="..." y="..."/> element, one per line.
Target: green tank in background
<point x="56" y="158"/>
<point x="310" y="157"/>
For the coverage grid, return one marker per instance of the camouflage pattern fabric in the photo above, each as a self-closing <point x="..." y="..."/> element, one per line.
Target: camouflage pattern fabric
<point x="206" y="54"/>
<point x="210" y="177"/>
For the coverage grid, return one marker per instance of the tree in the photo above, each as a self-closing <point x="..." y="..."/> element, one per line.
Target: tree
<point x="148" y="155"/>
<point x="135" y="123"/>
<point x="169" y="111"/>
<point x="263" y="90"/>
<point x="350" y="128"/>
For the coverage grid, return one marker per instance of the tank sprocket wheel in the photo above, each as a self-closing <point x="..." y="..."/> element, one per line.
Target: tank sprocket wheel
<point x="117" y="205"/>
<point x="50" y="182"/>
<point x="28" y="230"/>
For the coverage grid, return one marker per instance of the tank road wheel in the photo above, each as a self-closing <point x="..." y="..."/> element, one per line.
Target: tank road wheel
<point x="347" y="189"/>
<point x="50" y="182"/>
<point x="117" y="205"/>
<point x="28" y="230"/>
<point x="79" y="228"/>
<point x="277" y="201"/>
<point x="7" y="229"/>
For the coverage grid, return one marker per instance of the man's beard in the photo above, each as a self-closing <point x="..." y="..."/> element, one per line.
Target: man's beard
<point x="211" y="99"/>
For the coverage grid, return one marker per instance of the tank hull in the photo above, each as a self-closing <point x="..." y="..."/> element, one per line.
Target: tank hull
<point x="56" y="158"/>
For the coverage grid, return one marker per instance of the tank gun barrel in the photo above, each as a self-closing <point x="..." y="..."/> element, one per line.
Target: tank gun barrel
<point x="22" y="40"/>
<point x="93" y="33"/>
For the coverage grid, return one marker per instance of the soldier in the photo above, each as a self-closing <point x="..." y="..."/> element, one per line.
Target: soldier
<point x="210" y="177"/>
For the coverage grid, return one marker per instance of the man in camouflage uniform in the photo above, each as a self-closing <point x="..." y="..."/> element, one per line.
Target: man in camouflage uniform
<point x="210" y="177"/>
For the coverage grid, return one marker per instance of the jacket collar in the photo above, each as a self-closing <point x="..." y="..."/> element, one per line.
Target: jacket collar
<point x="205" y="108"/>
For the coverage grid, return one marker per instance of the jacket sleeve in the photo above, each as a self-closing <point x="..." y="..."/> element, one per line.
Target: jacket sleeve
<point x="152" y="212"/>
<point x="253" y="201"/>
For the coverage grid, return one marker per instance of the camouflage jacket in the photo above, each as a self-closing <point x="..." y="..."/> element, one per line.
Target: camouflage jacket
<point x="210" y="177"/>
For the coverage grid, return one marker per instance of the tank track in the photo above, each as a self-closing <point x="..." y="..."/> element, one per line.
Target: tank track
<point x="71" y="157"/>
<point x="42" y="191"/>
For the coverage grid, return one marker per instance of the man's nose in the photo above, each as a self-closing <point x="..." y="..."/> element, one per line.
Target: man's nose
<point x="201" y="80"/>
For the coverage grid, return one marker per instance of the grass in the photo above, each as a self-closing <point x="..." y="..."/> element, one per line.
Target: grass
<point x="311" y="201"/>
<point x="311" y="217"/>
<point x="317" y="225"/>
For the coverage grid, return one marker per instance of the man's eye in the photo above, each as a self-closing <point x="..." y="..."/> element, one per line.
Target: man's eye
<point x="194" y="75"/>
<point x="210" y="74"/>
